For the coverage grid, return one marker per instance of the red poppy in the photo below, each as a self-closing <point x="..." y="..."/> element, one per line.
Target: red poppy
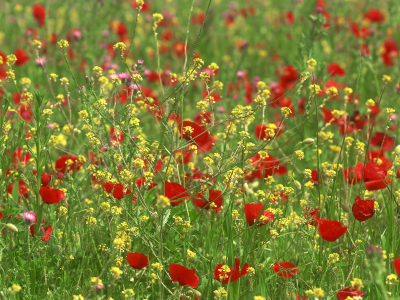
<point x="178" y="48"/>
<point x="389" y="51"/>
<point x="374" y="176"/>
<point x="121" y="29"/>
<point x="46" y="178"/>
<point x="22" y="57"/>
<point x="141" y="181"/>
<point x="331" y="230"/>
<point x="363" y="209"/>
<point x="46" y="231"/>
<point x="288" y="76"/>
<point x="253" y="210"/>
<point x="260" y="130"/>
<point x="61" y="163"/>
<point x="214" y="197"/>
<point x="396" y="265"/>
<point x="285" y="269"/>
<point x="302" y="297"/>
<point x="119" y="136"/>
<point x="335" y="69"/>
<point x="138" y="261"/>
<point x="375" y="15"/>
<point x="312" y="214"/>
<point x="39" y="13"/>
<point x="233" y="274"/>
<point x="118" y="190"/>
<point x="174" y="192"/>
<point x="398" y="173"/>
<point x="19" y="160"/>
<point x="351" y="291"/>
<point x="145" y="7"/>
<point x="183" y="275"/>
<point x="289" y="17"/>
<point x="201" y="117"/>
<point x="50" y="195"/>
<point x="382" y="139"/>
<point x="22" y="188"/>
<point x="196" y="132"/>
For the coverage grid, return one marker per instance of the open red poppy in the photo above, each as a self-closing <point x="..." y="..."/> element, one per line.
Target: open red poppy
<point x="232" y="275"/>
<point x="39" y="13"/>
<point x="137" y="260"/>
<point x="285" y="269"/>
<point x="46" y="231"/>
<point x="312" y="214"/>
<point x="175" y="193"/>
<point x="363" y="209"/>
<point x="50" y="195"/>
<point x="331" y="230"/>
<point x="73" y="163"/>
<point x="350" y="291"/>
<point x="253" y="210"/>
<point x="118" y="190"/>
<point x="184" y="276"/>
<point x="381" y="139"/>
<point x="193" y="131"/>
<point x="335" y="69"/>
<point x="214" y="197"/>
<point x="396" y="265"/>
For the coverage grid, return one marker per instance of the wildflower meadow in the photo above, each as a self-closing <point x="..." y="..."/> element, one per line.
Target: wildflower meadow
<point x="199" y="149"/>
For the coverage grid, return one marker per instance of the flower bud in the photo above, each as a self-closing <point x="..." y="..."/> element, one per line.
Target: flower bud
<point x="308" y="141"/>
<point x="297" y="185"/>
<point x="345" y="208"/>
<point x="154" y="216"/>
<point x="397" y="150"/>
<point x="12" y="227"/>
<point x="238" y="202"/>
<point x="197" y="294"/>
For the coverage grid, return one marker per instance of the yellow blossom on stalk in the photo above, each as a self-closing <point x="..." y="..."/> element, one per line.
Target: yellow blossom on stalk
<point x="311" y="63"/>
<point x="1" y="60"/>
<point x="163" y="201"/>
<point x="198" y="63"/>
<point x="349" y="140"/>
<point x="157" y="18"/>
<point x="128" y="293"/>
<point x="15" y="288"/>
<point x="315" y="88"/>
<point x="116" y="272"/>
<point x="299" y="154"/>
<point x="98" y="71"/>
<point x="285" y="111"/>
<point x="370" y="103"/>
<point x="137" y="78"/>
<point x="157" y="267"/>
<point x="386" y="79"/>
<point x="26" y="82"/>
<point x="62" y="211"/>
<point x="140" y="4"/>
<point x="316" y="292"/>
<point x="91" y="221"/>
<point x="83" y="114"/>
<point x="335" y="148"/>
<point x="11" y="59"/>
<point x="37" y="44"/>
<point x="47" y="112"/>
<point x="357" y="282"/>
<point x="390" y="112"/>
<point x="332" y="91"/>
<point x="190" y="254"/>
<point x="205" y="76"/>
<point x="348" y="91"/>
<point x="78" y="297"/>
<point x="64" y="81"/>
<point x="53" y="76"/>
<point x="121" y="47"/>
<point x="309" y="185"/>
<point x="259" y="298"/>
<point x="220" y="293"/>
<point x="63" y="44"/>
<point x="359" y="147"/>
<point x="333" y="258"/>
<point x="213" y="67"/>
<point x="10" y="75"/>
<point x="391" y="279"/>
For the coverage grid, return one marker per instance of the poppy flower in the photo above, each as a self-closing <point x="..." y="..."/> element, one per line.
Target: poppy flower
<point x="302" y="297"/>
<point x="288" y="76"/>
<point x="231" y="275"/>
<point x="312" y="214"/>
<point x="335" y="69"/>
<point x="193" y="131"/>
<point x="389" y="51"/>
<point x="253" y="210"/>
<point x="375" y="15"/>
<point x="22" y="57"/>
<point x="61" y="163"/>
<point x="373" y="175"/>
<point x="116" y="136"/>
<point x="398" y="173"/>
<point x="46" y="231"/>
<point x="178" y="48"/>
<point x="382" y="139"/>
<point x="261" y="134"/>
<point x="50" y="195"/>
<point x="174" y="192"/>
<point x="118" y="190"/>
<point x="39" y="13"/>
<point x="22" y="188"/>
<point x="138" y="261"/>
<point x="183" y="275"/>
<point x="331" y="230"/>
<point x="351" y="291"/>
<point x="45" y="179"/>
<point x="285" y="269"/>
<point x="214" y="200"/>
<point x="363" y="209"/>
<point x="141" y="181"/>
<point x="396" y="265"/>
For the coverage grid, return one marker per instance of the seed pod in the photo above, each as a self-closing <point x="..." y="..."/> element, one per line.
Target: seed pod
<point x="197" y="294"/>
<point x="308" y="141"/>
<point x="297" y="185"/>
<point x="12" y="227"/>
<point x="345" y="208"/>
<point x="154" y="216"/>
<point x="397" y="150"/>
<point x="239" y="202"/>
<point x="364" y="264"/>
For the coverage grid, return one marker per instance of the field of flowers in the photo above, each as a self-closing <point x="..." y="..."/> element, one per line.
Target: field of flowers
<point x="199" y="149"/>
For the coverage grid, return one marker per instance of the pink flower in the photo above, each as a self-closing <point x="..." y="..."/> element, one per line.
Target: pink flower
<point x="29" y="217"/>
